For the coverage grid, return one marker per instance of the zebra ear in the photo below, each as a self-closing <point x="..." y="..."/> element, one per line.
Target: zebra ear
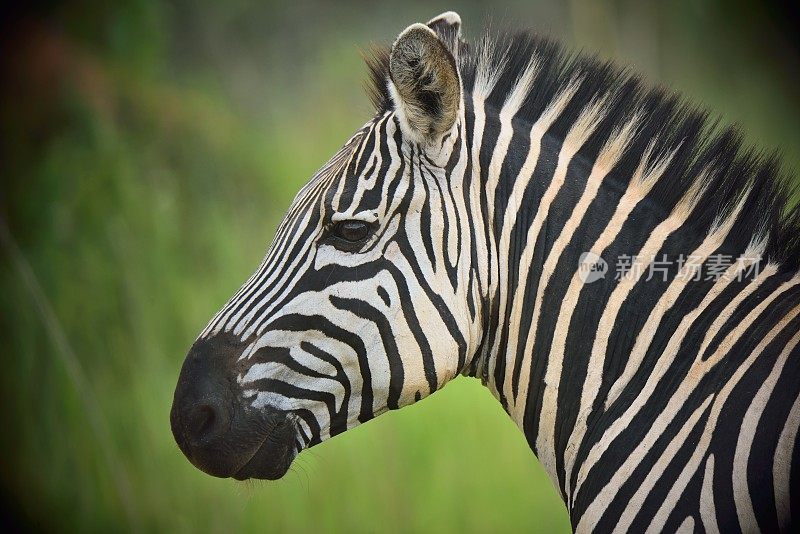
<point x="448" y="28"/>
<point x="424" y="84"/>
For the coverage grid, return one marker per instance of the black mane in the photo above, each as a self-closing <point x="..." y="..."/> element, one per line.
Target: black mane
<point x="702" y="149"/>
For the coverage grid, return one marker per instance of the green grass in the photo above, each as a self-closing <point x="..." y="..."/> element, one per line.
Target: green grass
<point x="146" y="186"/>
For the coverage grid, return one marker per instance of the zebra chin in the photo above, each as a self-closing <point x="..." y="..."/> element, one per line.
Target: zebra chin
<point x="274" y="456"/>
<point x="217" y="429"/>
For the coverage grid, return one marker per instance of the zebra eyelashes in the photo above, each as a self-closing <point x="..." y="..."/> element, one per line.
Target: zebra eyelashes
<point x="352" y="231"/>
<point x="350" y="235"/>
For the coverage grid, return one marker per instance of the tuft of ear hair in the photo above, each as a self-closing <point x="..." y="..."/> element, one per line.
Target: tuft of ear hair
<point x="424" y="83"/>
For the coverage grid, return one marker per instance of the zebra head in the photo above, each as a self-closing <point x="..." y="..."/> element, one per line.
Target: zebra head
<point x="366" y="300"/>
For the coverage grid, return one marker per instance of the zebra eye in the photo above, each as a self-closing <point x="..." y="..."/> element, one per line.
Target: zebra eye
<point x="352" y="231"/>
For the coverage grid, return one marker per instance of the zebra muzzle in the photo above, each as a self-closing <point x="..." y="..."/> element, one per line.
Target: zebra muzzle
<point x="216" y="429"/>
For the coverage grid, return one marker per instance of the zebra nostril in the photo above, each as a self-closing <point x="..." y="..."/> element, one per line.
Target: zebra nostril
<point x="206" y="421"/>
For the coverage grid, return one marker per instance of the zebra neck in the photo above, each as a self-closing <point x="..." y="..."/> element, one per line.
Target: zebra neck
<point x="575" y="358"/>
<point x="549" y="204"/>
<point x="536" y="190"/>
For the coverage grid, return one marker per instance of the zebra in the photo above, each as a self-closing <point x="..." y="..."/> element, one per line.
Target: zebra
<point x="618" y="270"/>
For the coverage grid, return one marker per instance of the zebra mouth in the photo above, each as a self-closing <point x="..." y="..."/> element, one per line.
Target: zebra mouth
<point x="272" y="458"/>
<point x="217" y="429"/>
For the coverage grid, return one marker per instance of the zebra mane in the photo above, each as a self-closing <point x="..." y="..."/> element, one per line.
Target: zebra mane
<point x="702" y="154"/>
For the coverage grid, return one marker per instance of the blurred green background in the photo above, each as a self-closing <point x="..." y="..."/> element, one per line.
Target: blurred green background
<point x="149" y="150"/>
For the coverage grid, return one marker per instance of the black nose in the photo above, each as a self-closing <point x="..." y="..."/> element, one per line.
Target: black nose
<point x="204" y="404"/>
<point x="206" y="420"/>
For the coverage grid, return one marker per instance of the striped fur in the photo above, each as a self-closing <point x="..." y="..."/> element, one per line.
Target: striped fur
<point x="652" y="402"/>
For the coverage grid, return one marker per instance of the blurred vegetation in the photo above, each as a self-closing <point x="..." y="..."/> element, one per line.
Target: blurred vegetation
<point x="148" y="152"/>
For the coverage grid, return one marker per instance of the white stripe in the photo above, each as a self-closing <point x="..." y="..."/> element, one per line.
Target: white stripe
<point x="677" y="337"/>
<point x="479" y="124"/>
<point x="708" y="510"/>
<point x="511" y="106"/>
<point x="635" y="504"/>
<point x="606" y="160"/>
<point x="594" y="369"/>
<point x="686" y="526"/>
<point x="723" y="317"/>
<point x="578" y="134"/>
<point x="747" y="433"/>
<point x="538" y="130"/>
<point x="695" y="374"/>
<point x="782" y="466"/>
<point x="668" y="298"/>
<point x="607" y="494"/>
